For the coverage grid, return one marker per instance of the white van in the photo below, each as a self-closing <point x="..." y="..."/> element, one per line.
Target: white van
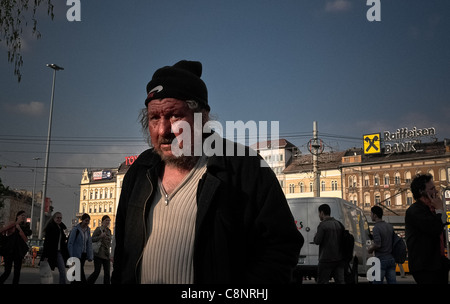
<point x="306" y="215"/>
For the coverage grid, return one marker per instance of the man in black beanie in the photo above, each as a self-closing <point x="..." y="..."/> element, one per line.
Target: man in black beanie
<point x="198" y="218"/>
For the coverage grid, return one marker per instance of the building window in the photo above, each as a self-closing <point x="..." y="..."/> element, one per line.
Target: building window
<point x="376" y="180"/>
<point x="377" y="199"/>
<point x="409" y="198"/>
<point x="397" y="179"/>
<point x="366" y="180"/>
<point x="386" y="179"/>
<point x="302" y="188"/>
<point x="398" y="199"/>
<point x="323" y="185"/>
<point x="367" y="200"/>
<point x="387" y="199"/>
<point x="334" y="185"/>
<point x="291" y="188"/>
<point x="311" y="189"/>
<point x="352" y="181"/>
<point x="408" y="177"/>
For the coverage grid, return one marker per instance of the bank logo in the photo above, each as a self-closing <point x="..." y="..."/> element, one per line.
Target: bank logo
<point x="372" y="143"/>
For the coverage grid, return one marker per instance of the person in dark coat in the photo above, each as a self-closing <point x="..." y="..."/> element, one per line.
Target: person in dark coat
<point x="216" y="216"/>
<point x="424" y="230"/>
<point x="16" y="247"/>
<point x="55" y="246"/>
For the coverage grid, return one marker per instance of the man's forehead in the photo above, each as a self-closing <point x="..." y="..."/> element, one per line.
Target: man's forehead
<point x="166" y="103"/>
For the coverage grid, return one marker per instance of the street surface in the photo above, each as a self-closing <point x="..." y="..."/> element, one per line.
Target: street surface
<point x="30" y="275"/>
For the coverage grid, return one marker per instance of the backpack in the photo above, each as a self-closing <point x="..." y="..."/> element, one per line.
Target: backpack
<point x="398" y="249"/>
<point x="348" y="243"/>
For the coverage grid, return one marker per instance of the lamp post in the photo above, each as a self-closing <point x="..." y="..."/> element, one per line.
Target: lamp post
<point x="44" y="190"/>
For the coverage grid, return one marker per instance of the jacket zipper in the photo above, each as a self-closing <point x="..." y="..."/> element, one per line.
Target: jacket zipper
<point x="145" y="229"/>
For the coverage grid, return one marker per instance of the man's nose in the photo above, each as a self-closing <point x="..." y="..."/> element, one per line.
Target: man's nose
<point x="164" y="127"/>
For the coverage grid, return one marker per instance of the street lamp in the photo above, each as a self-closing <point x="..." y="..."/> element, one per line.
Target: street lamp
<point x="34" y="192"/>
<point x="44" y="190"/>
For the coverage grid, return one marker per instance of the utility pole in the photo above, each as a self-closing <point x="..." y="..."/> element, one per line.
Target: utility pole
<point x="315" y="146"/>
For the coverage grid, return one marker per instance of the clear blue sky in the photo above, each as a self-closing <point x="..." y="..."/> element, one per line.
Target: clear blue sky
<point x="288" y="61"/>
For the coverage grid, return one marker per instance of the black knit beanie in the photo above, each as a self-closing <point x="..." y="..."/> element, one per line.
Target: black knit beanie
<point x="181" y="81"/>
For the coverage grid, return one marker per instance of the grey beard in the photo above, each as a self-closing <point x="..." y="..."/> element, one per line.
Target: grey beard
<point x="181" y="162"/>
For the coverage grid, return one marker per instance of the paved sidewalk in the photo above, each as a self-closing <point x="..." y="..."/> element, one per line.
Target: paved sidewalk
<point x="30" y="275"/>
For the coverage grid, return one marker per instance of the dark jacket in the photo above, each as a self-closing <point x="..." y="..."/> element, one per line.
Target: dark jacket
<point x="244" y="231"/>
<point x="16" y="242"/>
<point x="423" y="230"/>
<point x="53" y="235"/>
<point x="329" y="239"/>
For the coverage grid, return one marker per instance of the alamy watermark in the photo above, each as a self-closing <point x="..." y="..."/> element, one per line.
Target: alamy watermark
<point x="74" y="271"/>
<point x="213" y="144"/>
<point x="374" y="272"/>
<point x="374" y="13"/>
<point x="74" y="12"/>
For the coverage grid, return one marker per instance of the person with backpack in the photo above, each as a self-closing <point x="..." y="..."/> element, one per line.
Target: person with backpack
<point x="382" y="246"/>
<point x="329" y="238"/>
<point x="80" y="243"/>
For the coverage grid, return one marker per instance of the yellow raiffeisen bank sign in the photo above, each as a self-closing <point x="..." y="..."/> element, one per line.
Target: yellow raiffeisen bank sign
<point x="402" y="140"/>
<point x="372" y="143"/>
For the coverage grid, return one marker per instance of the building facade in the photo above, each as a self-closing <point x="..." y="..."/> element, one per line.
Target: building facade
<point x="385" y="178"/>
<point x="364" y="180"/>
<point x="100" y="192"/>
<point x="299" y="177"/>
<point x="278" y="154"/>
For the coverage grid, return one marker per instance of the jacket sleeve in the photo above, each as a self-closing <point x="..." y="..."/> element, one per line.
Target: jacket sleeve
<point x="319" y="235"/>
<point x="89" y="250"/>
<point x="425" y="221"/>
<point x="70" y="241"/>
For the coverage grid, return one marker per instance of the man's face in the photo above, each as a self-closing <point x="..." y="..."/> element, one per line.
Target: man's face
<point x="162" y="114"/>
<point x="321" y="215"/>
<point x="58" y="219"/>
<point x="430" y="190"/>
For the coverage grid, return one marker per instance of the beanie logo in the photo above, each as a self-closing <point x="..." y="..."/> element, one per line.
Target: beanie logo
<point x="156" y="89"/>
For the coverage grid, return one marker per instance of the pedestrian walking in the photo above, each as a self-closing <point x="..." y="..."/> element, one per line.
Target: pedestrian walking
<point x="55" y="245"/>
<point x="15" y="246"/>
<point x="80" y="244"/>
<point x="101" y="238"/>
<point x="329" y="238"/>
<point x="382" y="246"/>
<point x="425" y="233"/>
